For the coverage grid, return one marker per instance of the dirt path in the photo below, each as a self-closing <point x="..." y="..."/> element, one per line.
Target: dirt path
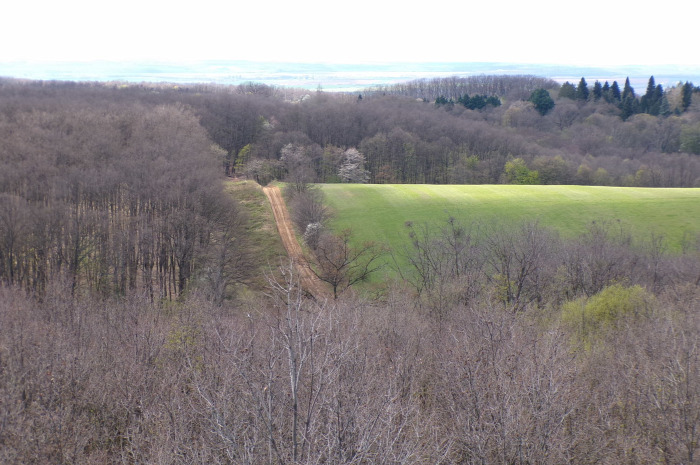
<point x="309" y="282"/>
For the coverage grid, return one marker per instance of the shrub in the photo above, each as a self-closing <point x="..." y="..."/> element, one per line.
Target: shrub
<point x="590" y="317"/>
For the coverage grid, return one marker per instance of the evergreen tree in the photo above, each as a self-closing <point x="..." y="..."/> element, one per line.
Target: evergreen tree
<point x="664" y="107"/>
<point x="629" y="106"/>
<point x="628" y="90"/>
<point x="597" y="91"/>
<point x="606" y="92"/>
<point x="655" y="106"/>
<point x="615" y="95"/>
<point x="477" y="102"/>
<point x="582" y="90"/>
<point x="686" y="95"/>
<point x="494" y="101"/>
<point x="442" y="100"/>
<point x="542" y="101"/>
<point x="647" y="100"/>
<point x="651" y="86"/>
<point x="567" y="90"/>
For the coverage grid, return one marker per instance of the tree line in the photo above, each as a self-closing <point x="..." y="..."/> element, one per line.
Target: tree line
<point x="413" y="141"/>
<point x="511" y="87"/>
<point x="417" y="142"/>
<point x="408" y="140"/>
<point x="654" y="101"/>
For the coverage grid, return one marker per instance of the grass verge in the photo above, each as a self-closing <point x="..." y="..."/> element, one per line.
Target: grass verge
<point x="264" y="240"/>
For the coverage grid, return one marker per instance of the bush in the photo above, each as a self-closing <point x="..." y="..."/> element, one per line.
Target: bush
<point x="307" y="208"/>
<point x="589" y="317"/>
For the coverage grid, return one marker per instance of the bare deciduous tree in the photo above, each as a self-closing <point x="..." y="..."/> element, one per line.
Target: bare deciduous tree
<point x="343" y="264"/>
<point x="299" y="168"/>
<point x="307" y="208"/>
<point x="446" y="263"/>
<point x="518" y="257"/>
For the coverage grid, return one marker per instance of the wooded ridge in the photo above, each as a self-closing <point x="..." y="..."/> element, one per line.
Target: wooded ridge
<point x="140" y="321"/>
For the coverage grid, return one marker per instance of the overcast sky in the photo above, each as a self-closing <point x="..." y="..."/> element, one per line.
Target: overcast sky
<point x="533" y="31"/>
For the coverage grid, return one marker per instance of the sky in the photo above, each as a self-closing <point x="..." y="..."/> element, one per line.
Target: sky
<point x="361" y="31"/>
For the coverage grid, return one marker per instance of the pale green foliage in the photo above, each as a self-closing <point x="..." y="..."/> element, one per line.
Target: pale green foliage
<point x="242" y="158"/>
<point x="517" y="172"/>
<point x="590" y="317"/>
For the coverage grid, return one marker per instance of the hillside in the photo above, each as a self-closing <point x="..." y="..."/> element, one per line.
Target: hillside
<point x="457" y="130"/>
<point x="148" y="314"/>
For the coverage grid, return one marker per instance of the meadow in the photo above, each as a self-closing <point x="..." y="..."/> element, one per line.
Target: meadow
<point x="380" y="212"/>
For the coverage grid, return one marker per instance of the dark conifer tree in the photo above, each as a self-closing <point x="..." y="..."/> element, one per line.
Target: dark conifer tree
<point x="606" y="92"/>
<point x="647" y="100"/>
<point x="493" y="101"/>
<point x="651" y="86"/>
<point x="582" y="90"/>
<point x="615" y="95"/>
<point x="442" y="100"/>
<point x="629" y="106"/>
<point x="686" y="95"/>
<point x="542" y="101"/>
<point x="477" y="102"/>
<point x="664" y="107"/>
<point x="597" y="91"/>
<point x="655" y="106"/>
<point x="627" y="90"/>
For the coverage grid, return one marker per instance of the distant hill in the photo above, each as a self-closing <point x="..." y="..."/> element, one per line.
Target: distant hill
<point x="330" y="77"/>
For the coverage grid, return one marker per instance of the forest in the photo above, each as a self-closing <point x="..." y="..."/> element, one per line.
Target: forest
<point x="144" y="319"/>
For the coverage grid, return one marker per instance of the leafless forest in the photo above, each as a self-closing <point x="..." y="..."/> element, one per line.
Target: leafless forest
<point x="134" y="328"/>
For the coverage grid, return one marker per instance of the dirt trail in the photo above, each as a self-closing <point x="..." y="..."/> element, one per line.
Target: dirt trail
<point x="309" y="281"/>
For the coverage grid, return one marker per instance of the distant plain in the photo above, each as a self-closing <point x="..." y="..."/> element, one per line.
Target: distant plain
<point x="328" y="76"/>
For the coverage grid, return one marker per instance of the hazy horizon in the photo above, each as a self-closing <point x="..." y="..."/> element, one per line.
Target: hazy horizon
<point x="329" y="76"/>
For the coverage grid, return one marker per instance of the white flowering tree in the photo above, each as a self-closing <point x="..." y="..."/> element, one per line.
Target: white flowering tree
<point x="353" y="167"/>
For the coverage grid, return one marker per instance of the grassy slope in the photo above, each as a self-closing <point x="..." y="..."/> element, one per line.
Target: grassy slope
<point x="379" y="212"/>
<point x="264" y="238"/>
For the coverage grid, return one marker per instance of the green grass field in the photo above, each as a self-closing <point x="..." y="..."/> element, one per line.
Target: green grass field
<point x="379" y="212"/>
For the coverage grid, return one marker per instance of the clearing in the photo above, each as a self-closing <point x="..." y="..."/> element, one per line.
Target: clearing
<point x="380" y="211"/>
